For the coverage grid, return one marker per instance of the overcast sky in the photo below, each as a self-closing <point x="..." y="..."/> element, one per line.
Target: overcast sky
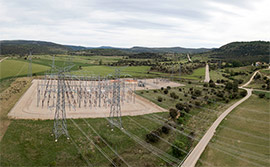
<point x="126" y="23"/>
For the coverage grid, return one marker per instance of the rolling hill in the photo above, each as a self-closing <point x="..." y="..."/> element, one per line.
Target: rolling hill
<point x="243" y="51"/>
<point x="42" y="47"/>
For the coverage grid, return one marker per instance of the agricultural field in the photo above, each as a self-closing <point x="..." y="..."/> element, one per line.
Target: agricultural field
<point x="19" y="68"/>
<point x="251" y="146"/>
<point x="129" y="71"/>
<point x="197" y="74"/>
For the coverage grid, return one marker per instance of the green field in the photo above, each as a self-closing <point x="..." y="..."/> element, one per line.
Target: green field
<point x="29" y="143"/>
<point x="15" y="68"/>
<point x="216" y="75"/>
<point x="197" y="74"/>
<point x="132" y="71"/>
<point x="245" y="148"/>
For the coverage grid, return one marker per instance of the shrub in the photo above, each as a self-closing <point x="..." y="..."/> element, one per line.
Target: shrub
<point x="240" y="81"/>
<point x="172" y="94"/>
<point x="198" y="93"/>
<point x="161" y="88"/>
<point x="263" y="86"/>
<point x="177" y="152"/>
<point x="166" y="91"/>
<point x="220" y="94"/>
<point x="159" y="99"/>
<point x="261" y="95"/>
<point x="182" y="114"/>
<point x="243" y="93"/>
<point x="168" y="87"/>
<point x="257" y="76"/>
<point x="155" y="91"/>
<point x="194" y="97"/>
<point x="189" y="82"/>
<point x="197" y="103"/>
<point x="152" y="137"/>
<point x="205" y="85"/>
<point x="180" y="89"/>
<point x="165" y="129"/>
<point x="187" y="109"/>
<point x="212" y="84"/>
<point x="173" y="113"/>
<point x="180" y="120"/>
<point x="179" y="106"/>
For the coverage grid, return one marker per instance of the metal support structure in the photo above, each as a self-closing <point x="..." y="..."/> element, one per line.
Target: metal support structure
<point x="115" y="111"/>
<point x="60" y="88"/>
<point x="60" y="124"/>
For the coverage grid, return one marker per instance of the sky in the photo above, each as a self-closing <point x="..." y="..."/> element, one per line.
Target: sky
<point x="127" y="23"/>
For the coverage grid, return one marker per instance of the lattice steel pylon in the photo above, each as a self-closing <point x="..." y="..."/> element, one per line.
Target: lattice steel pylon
<point x="115" y="110"/>
<point x="60" y="124"/>
<point x="30" y="65"/>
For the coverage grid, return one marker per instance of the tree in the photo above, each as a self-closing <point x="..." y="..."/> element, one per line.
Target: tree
<point x="243" y="93"/>
<point x="261" y="95"/>
<point x="159" y="99"/>
<point x="179" y="106"/>
<point x="212" y="84"/>
<point x="166" y="91"/>
<point x="100" y="62"/>
<point x="152" y="137"/>
<point x="165" y="129"/>
<point x="177" y="148"/>
<point x="173" y="113"/>
<point x="198" y="93"/>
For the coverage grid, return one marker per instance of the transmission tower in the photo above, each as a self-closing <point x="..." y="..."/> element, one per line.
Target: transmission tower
<point x="30" y="65"/>
<point x="115" y="111"/>
<point x="60" y="124"/>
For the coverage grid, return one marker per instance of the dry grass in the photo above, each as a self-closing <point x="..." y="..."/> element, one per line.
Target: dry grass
<point x="8" y="99"/>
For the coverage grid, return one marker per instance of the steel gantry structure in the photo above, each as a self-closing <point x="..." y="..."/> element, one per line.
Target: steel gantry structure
<point x="61" y="90"/>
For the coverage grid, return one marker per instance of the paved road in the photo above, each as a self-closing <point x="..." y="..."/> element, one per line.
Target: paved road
<point x="207" y="76"/>
<point x="3" y="59"/>
<point x="194" y="156"/>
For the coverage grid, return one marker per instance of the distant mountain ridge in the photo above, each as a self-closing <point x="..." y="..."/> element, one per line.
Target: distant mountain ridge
<point x="138" y="49"/>
<point x="43" y="47"/>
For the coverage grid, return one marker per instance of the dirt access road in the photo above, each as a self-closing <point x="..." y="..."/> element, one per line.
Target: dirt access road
<point x="3" y="59"/>
<point x="207" y="76"/>
<point x="194" y="156"/>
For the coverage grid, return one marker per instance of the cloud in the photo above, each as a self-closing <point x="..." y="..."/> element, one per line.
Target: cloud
<point x="122" y="23"/>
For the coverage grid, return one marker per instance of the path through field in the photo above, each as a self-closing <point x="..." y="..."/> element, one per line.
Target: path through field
<point x="194" y="156"/>
<point x="3" y="59"/>
<point x="207" y="76"/>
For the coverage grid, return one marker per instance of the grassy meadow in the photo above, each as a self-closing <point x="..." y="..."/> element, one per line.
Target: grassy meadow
<point x="15" y="68"/>
<point x="245" y="147"/>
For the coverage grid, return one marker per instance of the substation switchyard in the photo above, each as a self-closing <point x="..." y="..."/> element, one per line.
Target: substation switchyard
<point x="62" y="95"/>
<point x="65" y="91"/>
